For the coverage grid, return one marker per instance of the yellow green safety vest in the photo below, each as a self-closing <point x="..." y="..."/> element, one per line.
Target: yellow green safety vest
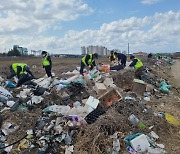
<point x="45" y="62"/>
<point x="90" y="61"/>
<point x="22" y="65"/>
<point x="113" y="56"/>
<point x="138" y="64"/>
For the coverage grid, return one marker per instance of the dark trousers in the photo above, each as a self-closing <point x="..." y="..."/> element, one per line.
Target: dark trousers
<point x="123" y="61"/>
<point x="48" y="70"/>
<point x="138" y="73"/>
<point x="12" y="73"/>
<point x="82" y="68"/>
<point x="23" y="78"/>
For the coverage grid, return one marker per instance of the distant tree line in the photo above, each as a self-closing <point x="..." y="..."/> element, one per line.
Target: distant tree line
<point x="12" y="52"/>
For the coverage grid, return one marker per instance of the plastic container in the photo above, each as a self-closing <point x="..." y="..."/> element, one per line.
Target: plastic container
<point x="133" y="119"/>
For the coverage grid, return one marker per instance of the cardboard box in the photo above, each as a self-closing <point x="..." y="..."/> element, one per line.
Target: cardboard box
<point x="139" y="86"/>
<point x="100" y="88"/>
<point x="104" y="68"/>
<point x="109" y="98"/>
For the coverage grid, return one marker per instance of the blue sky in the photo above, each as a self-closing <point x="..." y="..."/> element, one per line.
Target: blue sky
<point x="63" y="26"/>
<point x="106" y="11"/>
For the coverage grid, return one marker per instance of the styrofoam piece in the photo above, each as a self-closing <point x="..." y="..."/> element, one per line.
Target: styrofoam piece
<point x="100" y="88"/>
<point x="147" y="99"/>
<point x="92" y="102"/>
<point x="154" y="135"/>
<point x="1" y="79"/>
<point x="161" y="146"/>
<point x="139" y="81"/>
<point x="76" y="104"/>
<point x="80" y="111"/>
<point x="15" y="79"/>
<point x="10" y="103"/>
<point x="53" y="74"/>
<point x="128" y="63"/>
<point x="156" y="151"/>
<point x="116" y="146"/>
<point x="8" y="149"/>
<point x="140" y="143"/>
<point x="84" y="101"/>
<point x="58" y="109"/>
<point x="23" y="94"/>
<point x="108" y="82"/>
<point x="35" y="100"/>
<point x="88" y="108"/>
<point x="4" y="93"/>
<point x="69" y="149"/>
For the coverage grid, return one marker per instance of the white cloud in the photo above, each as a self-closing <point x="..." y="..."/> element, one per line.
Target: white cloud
<point x="150" y="2"/>
<point x="157" y="33"/>
<point x="37" y="15"/>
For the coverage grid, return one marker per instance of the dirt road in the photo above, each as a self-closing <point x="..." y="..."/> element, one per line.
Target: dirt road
<point x="176" y="72"/>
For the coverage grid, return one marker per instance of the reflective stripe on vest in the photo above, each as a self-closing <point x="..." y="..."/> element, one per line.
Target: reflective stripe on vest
<point x="22" y="65"/>
<point x="90" y="61"/>
<point x="138" y="64"/>
<point x="45" y="62"/>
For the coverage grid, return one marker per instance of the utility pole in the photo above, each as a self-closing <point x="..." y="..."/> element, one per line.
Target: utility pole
<point x="128" y="48"/>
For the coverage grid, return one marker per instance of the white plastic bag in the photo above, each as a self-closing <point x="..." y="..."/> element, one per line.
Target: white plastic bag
<point x="5" y="94"/>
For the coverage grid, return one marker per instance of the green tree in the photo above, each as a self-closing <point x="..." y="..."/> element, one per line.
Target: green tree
<point x="14" y="52"/>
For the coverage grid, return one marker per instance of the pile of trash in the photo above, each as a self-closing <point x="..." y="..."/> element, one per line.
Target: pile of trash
<point x="100" y="112"/>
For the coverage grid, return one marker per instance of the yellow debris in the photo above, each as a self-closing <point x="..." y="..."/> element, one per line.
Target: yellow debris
<point x="172" y="120"/>
<point x="23" y="145"/>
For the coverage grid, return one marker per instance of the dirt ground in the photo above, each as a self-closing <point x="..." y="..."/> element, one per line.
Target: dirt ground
<point x="175" y="70"/>
<point x="168" y="103"/>
<point x="60" y="65"/>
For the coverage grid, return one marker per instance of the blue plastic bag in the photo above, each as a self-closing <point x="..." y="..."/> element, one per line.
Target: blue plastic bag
<point x="9" y="84"/>
<point x="165" y="88"/>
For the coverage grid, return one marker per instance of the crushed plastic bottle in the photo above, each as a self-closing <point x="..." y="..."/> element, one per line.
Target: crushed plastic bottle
<point x="133" y="119"/>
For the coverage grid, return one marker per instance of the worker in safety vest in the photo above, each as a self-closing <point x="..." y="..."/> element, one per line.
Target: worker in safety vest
<point x="88" y="60"/>
<point x="121" y="57"/>
<point x="47" y="63"/>
<point x="138" y="65"/>
<point x="112" y="56"/>
<point x="22" y="71"/>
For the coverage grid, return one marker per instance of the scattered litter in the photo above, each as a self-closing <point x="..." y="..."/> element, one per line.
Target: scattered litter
<point x="100" y="112"/>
